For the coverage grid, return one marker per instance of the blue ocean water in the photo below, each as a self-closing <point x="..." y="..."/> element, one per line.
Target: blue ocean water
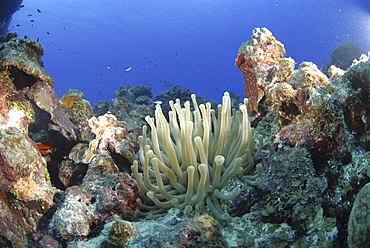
<point x="91" y="45"/>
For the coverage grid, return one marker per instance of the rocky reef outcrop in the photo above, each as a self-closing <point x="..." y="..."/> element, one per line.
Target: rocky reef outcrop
<point x="43" y="142"/>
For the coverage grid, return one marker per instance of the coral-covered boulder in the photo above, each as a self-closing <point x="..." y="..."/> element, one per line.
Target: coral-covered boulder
<point x="26" y="191"/>
<point x="300" y="101"/>
<point x="261" y="60"/>
<point x="104" y="193"/>
<point x="79" y="111"/>
<point x="25" y="84"/>
<point x="111" y="139"/>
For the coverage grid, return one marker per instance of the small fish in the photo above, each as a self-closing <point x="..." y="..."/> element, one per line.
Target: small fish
<point x="158" y="102"/>
<point x="38" y="10"/>
<point x="47" y="33"/>
<point x="101" y="94"/>
<point x="32" y="20"/>
<point x="29" y="15"/>
<point x="127" y="69"/>
<point x="21" y="6"/>
<point x="176" y="53"/>
<point x="37" y="39"/>
<point x="18" y="25"/>
<point x="45" y="149"/>
<point x="109" y="68"/>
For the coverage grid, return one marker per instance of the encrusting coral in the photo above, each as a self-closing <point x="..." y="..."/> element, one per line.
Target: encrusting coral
<point x="189" y="159"/>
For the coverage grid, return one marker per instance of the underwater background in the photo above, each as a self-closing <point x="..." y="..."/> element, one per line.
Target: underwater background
<point x="91" y="46"/>
<point x="90" y="158"/>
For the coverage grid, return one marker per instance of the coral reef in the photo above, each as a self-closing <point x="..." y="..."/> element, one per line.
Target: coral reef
<point x="72" y="170"/>
<point x="308" y="119"/>
<point x="65" y="175"/>
<point x="313" y="123"/>
<point x="127" y="106"/>
<point x="99" y="191"/>
<point x="299" y="100"/>
<point x="104" y="194"/>
<point x="132" y="103"/>
<point x="201" y="231"/>
<point x="357" y="104"/>
<point x="185" y="165"/>
<point x="29" y="108"/>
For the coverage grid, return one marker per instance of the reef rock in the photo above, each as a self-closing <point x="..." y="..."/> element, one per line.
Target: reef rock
<point x="298" y="100"/>
<point x="79" y="111"/>
<point x="23" y="82"/>
<point x="26" y="191"/>
<point x="111" y="138"/>
<point x="104" y="194"/>
<point x="28" y="108"/>
<point x="357" y="105"/>
<point x="261" y="60"/>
